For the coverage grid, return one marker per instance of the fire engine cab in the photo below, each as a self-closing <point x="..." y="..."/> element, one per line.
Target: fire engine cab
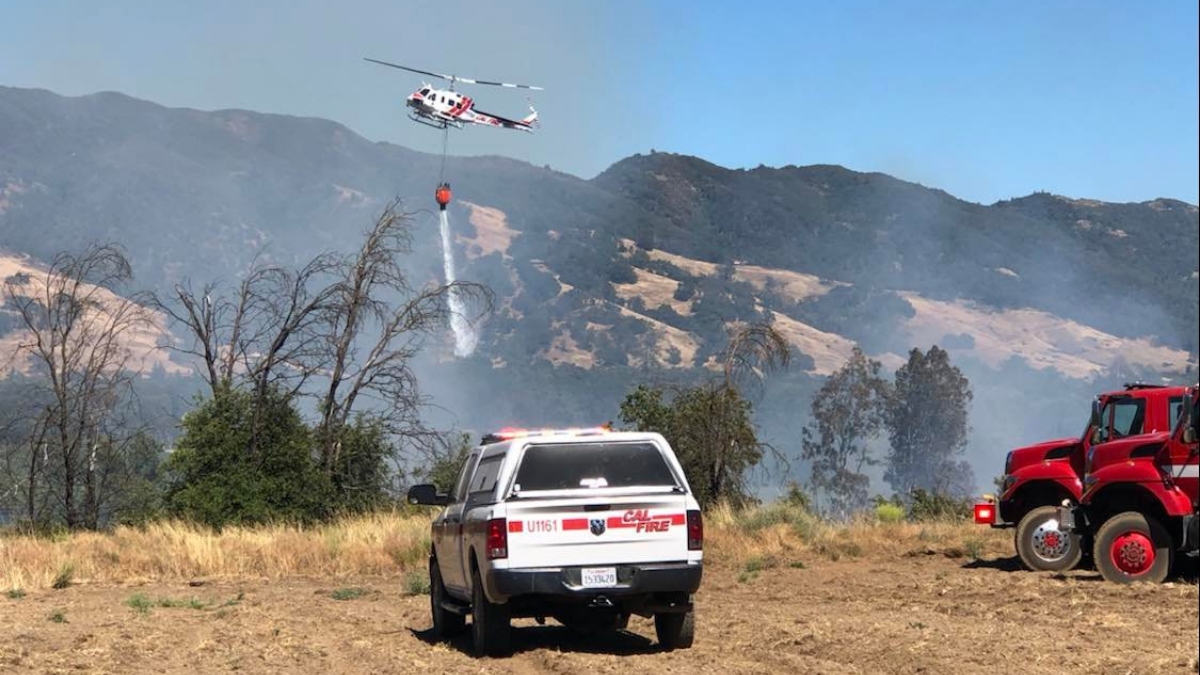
<point x="585" y="526"/>
<point x="1039" y="478"/>
<point x="1140" y="498"/>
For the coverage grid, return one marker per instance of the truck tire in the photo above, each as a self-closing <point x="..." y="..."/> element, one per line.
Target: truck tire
<point x="490" y="623"/>
<point x="1043" y="546"/>
<point x="446" y="624"/>
<point x="1131" y="547"/>
<point x="675" y="630"/>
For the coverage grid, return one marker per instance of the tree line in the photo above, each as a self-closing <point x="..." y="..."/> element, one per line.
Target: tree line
<point x="923" y="412"/>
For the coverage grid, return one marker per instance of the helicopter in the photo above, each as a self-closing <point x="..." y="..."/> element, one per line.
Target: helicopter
<point x="445" y="108"/>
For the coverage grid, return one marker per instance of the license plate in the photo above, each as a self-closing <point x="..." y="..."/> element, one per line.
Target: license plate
<point x="599" y="577"/>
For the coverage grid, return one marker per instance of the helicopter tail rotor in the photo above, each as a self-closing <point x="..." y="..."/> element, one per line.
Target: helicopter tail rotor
<point x="532" y="118"/>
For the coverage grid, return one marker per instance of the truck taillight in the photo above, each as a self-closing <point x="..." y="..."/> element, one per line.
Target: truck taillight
<point x="695" y="531"/>
<point x="497" y="538"/>
<point x="985" y="514"/>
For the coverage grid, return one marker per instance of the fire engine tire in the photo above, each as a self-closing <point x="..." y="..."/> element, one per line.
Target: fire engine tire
<point x="1042" y="546"/>
<point x="1133" y="547"/>
<point x="446" y="624"/>
<point x="675" y="631"/>
<point x="490" y="623"/>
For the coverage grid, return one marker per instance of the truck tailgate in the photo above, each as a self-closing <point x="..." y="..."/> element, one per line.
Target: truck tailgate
<point x="597" y="531"/>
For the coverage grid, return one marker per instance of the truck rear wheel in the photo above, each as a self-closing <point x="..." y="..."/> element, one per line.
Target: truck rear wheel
<point x="446" y="624"/>
<point x="490" y="623"/>
<point x="1131" y="547"/>
<point x="1043" y="545"/>
<point x="675" y="630"/>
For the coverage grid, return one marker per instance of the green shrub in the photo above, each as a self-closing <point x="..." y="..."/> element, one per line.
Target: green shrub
<point x="58" y="616"/>
<point x="140" y="603"/>
<point x="63" y="578"/>
<point x="798" y="497"/>
<point x="416" y="582"/>
<point x="349" y="593"/>
<point x="758" y="563"/>
<point x="15" y="593"/>
<point x="221" y="480"/>
<point x="800" y="520"/>
<point x="444" y="464"/>
<point x="925" y="505"/>
<point x="974" y="548"/>
<point x="889" y="513"/>
<point x="191" y="603"/>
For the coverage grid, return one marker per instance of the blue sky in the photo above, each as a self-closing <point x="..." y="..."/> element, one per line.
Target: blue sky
<point x="987" y="100"/>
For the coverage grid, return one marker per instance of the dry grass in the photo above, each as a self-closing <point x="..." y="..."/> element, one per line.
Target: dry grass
<point x="782" y="534"/>
<point x="391" y="544"/>
<point x="376" y="544"/>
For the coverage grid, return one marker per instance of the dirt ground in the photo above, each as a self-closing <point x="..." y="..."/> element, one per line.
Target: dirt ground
<point x="918" y="614"/>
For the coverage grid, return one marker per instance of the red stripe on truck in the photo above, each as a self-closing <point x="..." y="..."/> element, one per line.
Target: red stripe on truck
<point x="629" y="519"/>
<point x="515" y="526"/>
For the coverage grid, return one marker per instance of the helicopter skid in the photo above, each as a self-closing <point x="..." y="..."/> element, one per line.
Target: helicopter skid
<point x="435" y="123"/>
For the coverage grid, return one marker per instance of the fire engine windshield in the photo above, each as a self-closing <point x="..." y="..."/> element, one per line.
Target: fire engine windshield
<point x="568" y="466"/>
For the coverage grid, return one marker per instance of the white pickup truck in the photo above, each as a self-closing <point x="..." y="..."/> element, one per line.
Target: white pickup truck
<point x="585" y="526"/>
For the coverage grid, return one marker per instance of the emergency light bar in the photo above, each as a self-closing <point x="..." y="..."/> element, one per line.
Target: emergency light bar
<point x="508" y="434"/>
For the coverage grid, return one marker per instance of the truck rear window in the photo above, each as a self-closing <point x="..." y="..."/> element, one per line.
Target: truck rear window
<point x="568" y="466"/>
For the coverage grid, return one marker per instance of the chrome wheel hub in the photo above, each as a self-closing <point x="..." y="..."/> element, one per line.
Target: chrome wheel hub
<point x="1050" y="543"/>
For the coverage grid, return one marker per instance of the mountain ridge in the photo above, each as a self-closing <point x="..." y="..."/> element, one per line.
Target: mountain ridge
<point x="193" y="192"/>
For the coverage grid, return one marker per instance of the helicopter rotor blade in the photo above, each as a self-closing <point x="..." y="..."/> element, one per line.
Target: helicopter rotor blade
<point x="413" y="70"/>
<point x="455" y="78"/>
<point x="501" y="84"/>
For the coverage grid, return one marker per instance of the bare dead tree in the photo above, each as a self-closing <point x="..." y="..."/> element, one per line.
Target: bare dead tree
<point x="375" y="324"/>
<point x="265" y="333"/>
<point x="202" y="319"/>
<point x="344" y="328"/>
<point x="75" y="331"/>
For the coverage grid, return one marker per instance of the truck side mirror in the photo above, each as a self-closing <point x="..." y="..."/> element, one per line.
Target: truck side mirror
<point x="427" y="495"/>
<point x="1097" y="423"/>
<point x="1195" y="427"/>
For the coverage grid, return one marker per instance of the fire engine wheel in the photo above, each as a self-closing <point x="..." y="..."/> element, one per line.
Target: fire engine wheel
<point x="446" y="624"/>
<point x="1131" y="547"/>
<point x="1043" y="545"/>
<point x="490" y="623"/>
<point x="675" y="631"/>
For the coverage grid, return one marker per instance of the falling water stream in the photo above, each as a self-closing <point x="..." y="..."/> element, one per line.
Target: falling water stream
<point x="465" y="337"/>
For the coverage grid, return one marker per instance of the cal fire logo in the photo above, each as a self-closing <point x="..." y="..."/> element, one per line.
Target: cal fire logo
<point x="639" y="520"/>
<point x="644" y="522"/>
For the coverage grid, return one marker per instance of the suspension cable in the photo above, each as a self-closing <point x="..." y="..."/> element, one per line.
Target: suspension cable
<point x="445" y="145"/>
